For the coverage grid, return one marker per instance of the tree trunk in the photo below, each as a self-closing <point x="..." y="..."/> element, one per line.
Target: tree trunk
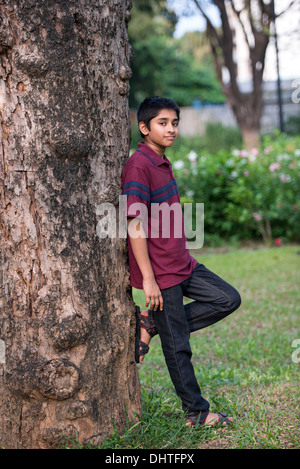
<point x="67" y="317"/>
<point x="247" y="107"/>
<point x="251" y="137"/>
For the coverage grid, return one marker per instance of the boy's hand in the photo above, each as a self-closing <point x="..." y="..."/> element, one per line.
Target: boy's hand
<point x="153" y="294"/>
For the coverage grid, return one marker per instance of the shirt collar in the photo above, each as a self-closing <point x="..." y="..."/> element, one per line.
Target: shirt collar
<point x="155" y="158"/>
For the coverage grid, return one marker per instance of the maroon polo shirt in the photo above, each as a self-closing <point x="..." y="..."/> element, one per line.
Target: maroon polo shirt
<point x="152" y="195"/>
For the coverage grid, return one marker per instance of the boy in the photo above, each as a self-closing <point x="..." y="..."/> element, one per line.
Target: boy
<point x="162" y="265"/>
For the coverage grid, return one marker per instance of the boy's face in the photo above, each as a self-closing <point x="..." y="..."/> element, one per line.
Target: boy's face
<point x="163" y="130"/>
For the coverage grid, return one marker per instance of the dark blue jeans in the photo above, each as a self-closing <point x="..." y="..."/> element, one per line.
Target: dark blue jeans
<point x="214" y="300"/>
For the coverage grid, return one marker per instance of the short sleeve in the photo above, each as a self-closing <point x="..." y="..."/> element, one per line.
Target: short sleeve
<point x="136" y="192"/>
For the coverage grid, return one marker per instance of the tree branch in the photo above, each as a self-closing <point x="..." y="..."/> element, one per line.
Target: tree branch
<point x="238" y="15"/>
<point x="209" y="23"/>
<point x="293" y="2"/>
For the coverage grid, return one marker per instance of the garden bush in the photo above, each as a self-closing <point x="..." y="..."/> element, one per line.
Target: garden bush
<point x="246" y="194"/>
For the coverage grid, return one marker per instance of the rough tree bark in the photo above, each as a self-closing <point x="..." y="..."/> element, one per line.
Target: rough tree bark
<point x="66" y="313"/>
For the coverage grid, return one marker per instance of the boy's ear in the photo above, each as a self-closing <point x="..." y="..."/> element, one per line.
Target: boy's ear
<point x="143" y="128"/>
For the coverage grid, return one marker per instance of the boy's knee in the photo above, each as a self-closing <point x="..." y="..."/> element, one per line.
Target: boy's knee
<point x="235" y="300"/>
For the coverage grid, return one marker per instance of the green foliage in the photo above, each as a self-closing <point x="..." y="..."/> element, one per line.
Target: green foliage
<point x="246" y="195"/>
<point x="180" y="69"/>
<point x="151" y="18"/>
<point x="292" y="125"/>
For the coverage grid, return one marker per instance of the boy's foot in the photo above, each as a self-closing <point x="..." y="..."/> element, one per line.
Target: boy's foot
<point x="208" y="418"/>
<point x="146" y="329"/>
<point x="145" y="338"/>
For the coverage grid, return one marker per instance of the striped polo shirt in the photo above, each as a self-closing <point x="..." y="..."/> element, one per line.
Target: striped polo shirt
<point x="152" y="195"/>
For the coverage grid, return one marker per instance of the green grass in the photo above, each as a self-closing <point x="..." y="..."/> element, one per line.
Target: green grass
<point x="244" y="363"/>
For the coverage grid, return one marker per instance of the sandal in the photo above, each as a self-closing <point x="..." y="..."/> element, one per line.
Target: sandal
<point x="147" y="323"/>
<point x="199" y="419"/>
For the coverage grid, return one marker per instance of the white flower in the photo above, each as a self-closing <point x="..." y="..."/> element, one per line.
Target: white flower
<point x="192" y="156"/>
<point x="285" y="178"/>
<point x="285" y="156"/>
<point x="178" y="164"/>
<point x="252" y="158"/>
<point x="230" y="163"/>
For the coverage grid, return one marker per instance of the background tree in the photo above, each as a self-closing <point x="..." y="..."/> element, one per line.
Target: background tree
<point x="255" y="18"/>
<point x="66" y="315"/>
<point x="165" y="66"/>
<point x="195" y="81"/>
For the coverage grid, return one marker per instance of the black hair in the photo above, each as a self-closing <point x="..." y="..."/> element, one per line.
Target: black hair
<point x="151" y="107"/>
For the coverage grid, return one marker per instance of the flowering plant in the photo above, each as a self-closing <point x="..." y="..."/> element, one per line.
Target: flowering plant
<point x="246" y="194"/>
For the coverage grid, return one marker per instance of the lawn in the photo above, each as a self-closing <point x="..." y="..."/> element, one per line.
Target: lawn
<point x="247" y="365"/>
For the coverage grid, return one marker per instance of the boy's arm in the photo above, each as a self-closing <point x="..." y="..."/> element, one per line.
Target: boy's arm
<point x="140" y="252"/>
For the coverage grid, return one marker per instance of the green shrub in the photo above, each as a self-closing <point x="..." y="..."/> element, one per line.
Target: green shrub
<point x="246" y="195"/>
